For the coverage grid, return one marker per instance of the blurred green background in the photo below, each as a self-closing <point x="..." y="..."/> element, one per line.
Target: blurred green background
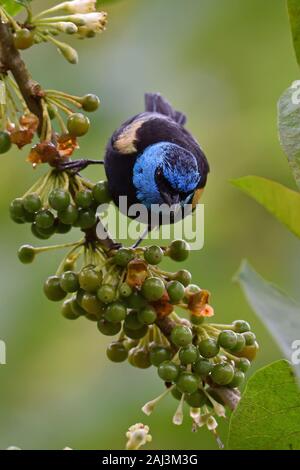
<point x="225" y="64"/>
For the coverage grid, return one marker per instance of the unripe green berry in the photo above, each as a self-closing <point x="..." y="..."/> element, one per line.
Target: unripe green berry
<point x="101" y="193"/>
<point x="184" y="277"/>
<point x="86" y="218"/>
<point x="168" y="371"/>
<point x="115" y="312"/>
<point x="125" y="290"/>
<point x="187" y="382"/>
<point x="250" y="338"/>
<point x="139" y="357"/>
<point x="90" y="103"/>
<point x="78" y="124"/>
<point x="176" y="393"/>
<point x="208" y="347"/>
<point x="181" y="335"/>
<point x="26" y="254"/>
<point x="243" y="364"/>
<point x="59" y="199"/>
<point x="16" y="209"/>
<point x="61" y="228"/>
<point x="69" y="216"/>
<point x="203" y="367"/>
<point x="132" y="321"/>
<point x="23" y="38"/>
<point x="227" y="339"/>
<point x="53" y="290"/>
<point x="196" y="399"/>
<point x="222" y="374"/>
<point x="136" y="301"/>
<point x="241" y="326"/>
<point x="238" y="379"/>
<point x="153" y="289"/>
<point x="147" y="316"/>
<point x="117" y="352"/>
<point x="76" y="307"/>
<point x="67" y="311"/>
<point x="106" y="294"/>
<point x="178" y="250"/>
<point x="107" y="328"/>
<point x="32" y="202"/>
<point x="89" y="279"/>
<point x="240" y="344"/>
<point x="123" y="257"/>
<point x="188" y="354"/>
<point x="69" y="281"/>
<point x="92" y="305"/>
<point x="153" y="255"/>
<point x="175" y="291"/>
<point x="5" y="142"/>
<point x="159" y="354"/>
<point x="84" y="199"/>
<point x="44" y="219"/>
<point x="137" y="333"/>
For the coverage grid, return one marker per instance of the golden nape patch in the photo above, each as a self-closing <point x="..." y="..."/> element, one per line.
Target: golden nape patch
<point x="126" y="140"/>
<point x="197" y="197"/>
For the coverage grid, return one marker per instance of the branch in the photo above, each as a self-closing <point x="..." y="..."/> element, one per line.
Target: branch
<point x="10" y="60"/>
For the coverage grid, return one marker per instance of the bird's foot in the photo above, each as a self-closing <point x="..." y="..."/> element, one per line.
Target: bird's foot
<point x="78" y="165"/>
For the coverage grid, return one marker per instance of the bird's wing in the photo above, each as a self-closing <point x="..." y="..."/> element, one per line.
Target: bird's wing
<point x="155" y="103"/>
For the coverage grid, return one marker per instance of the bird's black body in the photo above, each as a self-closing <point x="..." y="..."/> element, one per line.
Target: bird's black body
<point x="126" y="159"/>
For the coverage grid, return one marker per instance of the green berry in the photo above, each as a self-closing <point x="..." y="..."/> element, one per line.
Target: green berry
<point x="132" y="321"/>
<point x="123" y="257"/>
<point x="107" y="328"/>
<point x="16" y="209"/>
<point x="37" y="232"/>
<point x="176" y="393"/>
<point x="153" y="289"/>
<point x="241" y="326"/>
<point x="79" y="296"/>
<point x="5" y="142"/>
<point x="153" y="255"/>
<point x="59" y="199"/>
<point x="240" y="344"/>
<point x="139" y="357"/>
<point x="84" y="199"/>
<point x="78" y="124"/>
<point x="168" y="371"/>
<point x="67" y="311"/>
<point x="250" y="338"/>
<point x="222" y="374"/>
<point x="176" y="291"/>
<point x="227" y="339"/>
<point x="106" y="294"/>
<point x="179" y="250"/>
<point x="32" y="202"/>
<point x="86" y="218"/>
<point x="243" y="364"/>
<point x="184" y="277"/>
<point x="61" y="228"/>
<point x="69" y="216"/>
<point x="69" y="281"/>
<point x="137" y="333"/>
<point x="147" y="316"/>
<point x="238" y="379"/>
<point x="90" y="103"/>
<point x="187" y="382"/>
<point x="115" y="312"/>
<point x="91" y="304"/>
<point x="181" y="336"/>
<point x="44" y="219"/>
<point x="188" y="354"/>
<point x="26" y="254"/>
<point x="23" y="38"/>
<point x="76" y="307"/>
<point x="101" y="193"/>
<point x="196" y="399"/>
<point x="117" y="352"/>
<point x="125" y="290"/>
<point x="53" y="290"/>
<point x="136" y="301"/>
<point x="202" y="367"/>
<point x="208" y="347"/>
<point x="159" y="354"/>
<point x="89" y="279"/>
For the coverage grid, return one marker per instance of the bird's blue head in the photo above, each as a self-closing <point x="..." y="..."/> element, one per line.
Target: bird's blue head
<point x="165" y="173"/>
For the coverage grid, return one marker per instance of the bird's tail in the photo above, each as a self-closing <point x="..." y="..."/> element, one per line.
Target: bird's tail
<point x="155" y="103"/>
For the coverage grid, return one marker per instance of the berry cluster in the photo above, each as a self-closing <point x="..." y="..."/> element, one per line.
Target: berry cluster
<point x="129" y="296"/>
<point x="58" y="201"/>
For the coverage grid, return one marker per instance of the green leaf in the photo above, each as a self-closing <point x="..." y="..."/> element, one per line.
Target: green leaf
<point x="294" y="16"/>
<point x="280" y="314"/>
<point x="267" y="417"/>
<point x="12" y="6"/>
<point x="289" y="127"/>
<point x="279" y="200"/>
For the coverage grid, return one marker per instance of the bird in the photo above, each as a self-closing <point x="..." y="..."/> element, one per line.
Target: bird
<point x="153" y="160"/>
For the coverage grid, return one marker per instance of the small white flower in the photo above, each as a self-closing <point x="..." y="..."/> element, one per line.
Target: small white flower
<point x="79" y="6"/>
<point x="94" y="23"/>
<point x="178" y="416"/>
<point x="138" y="436"/>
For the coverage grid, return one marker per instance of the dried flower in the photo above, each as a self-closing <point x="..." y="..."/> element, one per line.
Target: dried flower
<point x="138" y="436"/>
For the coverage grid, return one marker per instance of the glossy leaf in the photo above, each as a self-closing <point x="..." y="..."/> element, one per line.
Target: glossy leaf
<point x="267" y="417"/>
<point x="278" y="312"/>
<point x="13" y="6"/>
<point x="289" y="127"/>
<point x="279" y="200"/>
